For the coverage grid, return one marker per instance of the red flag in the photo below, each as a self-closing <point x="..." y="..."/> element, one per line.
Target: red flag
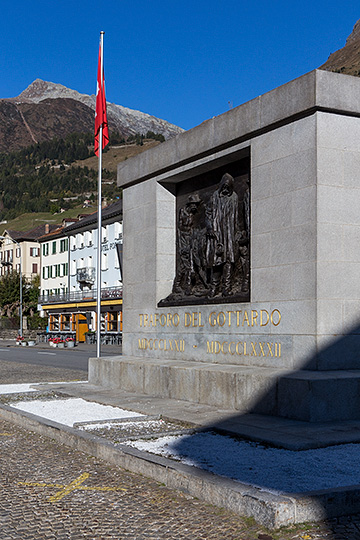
<point x="100" y="111"/>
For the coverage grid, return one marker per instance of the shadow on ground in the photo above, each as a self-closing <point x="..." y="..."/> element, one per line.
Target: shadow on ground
<point x="323" y="400"/>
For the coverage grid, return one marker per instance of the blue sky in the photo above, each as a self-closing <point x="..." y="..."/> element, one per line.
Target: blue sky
<point x="180" y="61"/>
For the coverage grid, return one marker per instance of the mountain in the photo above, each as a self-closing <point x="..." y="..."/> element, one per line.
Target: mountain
<point x="46" y="110"/>
<point x="347" y="59"/>
<point x="23" y="124"/>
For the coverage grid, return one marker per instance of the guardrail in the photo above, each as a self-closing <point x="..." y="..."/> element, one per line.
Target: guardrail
<point x="79" y="296"/>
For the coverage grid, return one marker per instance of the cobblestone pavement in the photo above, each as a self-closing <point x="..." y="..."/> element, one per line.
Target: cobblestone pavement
<point x="48" y="491"/>
<point x="51" y="492"/>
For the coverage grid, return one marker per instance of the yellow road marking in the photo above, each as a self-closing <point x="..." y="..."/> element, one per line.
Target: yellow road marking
<point x="5" y="434"/>
<point x="71" y="487"/>
<point x="65" y="489"/>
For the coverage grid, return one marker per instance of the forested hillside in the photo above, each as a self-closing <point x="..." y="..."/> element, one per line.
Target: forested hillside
<point x="44" y="177"/>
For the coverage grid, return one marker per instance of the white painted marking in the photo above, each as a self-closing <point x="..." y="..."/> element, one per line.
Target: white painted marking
<point x="53" y="353"/>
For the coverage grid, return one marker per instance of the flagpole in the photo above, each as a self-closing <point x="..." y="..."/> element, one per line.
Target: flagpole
<point x="98" y="272"/>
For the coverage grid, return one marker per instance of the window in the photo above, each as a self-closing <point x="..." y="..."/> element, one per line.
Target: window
<point x="34" y="252"/>
<point x="89" y="239"/>
<point x="65" y="322"/>
<point x="63" y="245"/>
<point x="80" y="240"/>
<point x="18" y="252"/>
<point x="118" y="230"/>
<point x="104" y="261"/>
<point x="54" y="247"/>
<point x="103" y="317"/>
<point x="34" y="268"/>
<point x="45" y="249"/>
<point x="64" y="269"/>
<point x="112" y="325"/>
<point x="43" y="273"/>
<point x="103" y="234"/>
<point x="55" y="322"/>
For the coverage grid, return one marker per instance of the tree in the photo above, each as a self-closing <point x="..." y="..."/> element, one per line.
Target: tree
<point x="10" y="294"/>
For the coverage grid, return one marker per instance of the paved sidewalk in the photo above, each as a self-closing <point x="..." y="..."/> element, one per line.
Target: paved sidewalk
<point x="50" y="492"/>
<point x="77" y="496"/>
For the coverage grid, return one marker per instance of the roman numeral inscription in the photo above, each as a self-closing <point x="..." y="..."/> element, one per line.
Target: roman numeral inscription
<point x="244" y="348"/>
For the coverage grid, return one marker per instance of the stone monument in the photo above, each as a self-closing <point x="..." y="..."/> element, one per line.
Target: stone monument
<point x="242" y="258"/>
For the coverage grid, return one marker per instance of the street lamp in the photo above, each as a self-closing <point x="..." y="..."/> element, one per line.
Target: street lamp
<point x="21" y="292"/>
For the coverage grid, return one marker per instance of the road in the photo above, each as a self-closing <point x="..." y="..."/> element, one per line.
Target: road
<point x="76" y="358"/>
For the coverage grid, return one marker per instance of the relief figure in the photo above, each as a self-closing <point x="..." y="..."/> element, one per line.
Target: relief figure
<point x="190" y="277"/>
<point x="223" y="236"/>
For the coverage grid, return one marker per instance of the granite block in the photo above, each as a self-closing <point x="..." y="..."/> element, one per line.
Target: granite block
<point x="304" y="281"/>
<point x="337" y="91"/>
<point x="293" y="172"/>
<point x="338" y="132"/>
<point x="304" y="206"/>
<point x="288" y="99"/>
<point x="272" y="284"/>
<point x="260" y="250"/>
<point x="330" y="166"/>
<point x="330" y="245"/>
<point x="217" y="387"/>
<point x="293" y="245"/>
<point x="271" y="214"/>
<point x="261" y="183"/>
<point x="339" y="352"/>
<point x="338" y="205"/>
<point x="351" y="170"/>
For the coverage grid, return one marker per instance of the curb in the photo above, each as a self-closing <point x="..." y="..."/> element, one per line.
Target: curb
<point x="270" y="509"/>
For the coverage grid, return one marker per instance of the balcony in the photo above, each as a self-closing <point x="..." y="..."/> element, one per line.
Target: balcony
<point x="110" y="293"/>
<point x="85" y="275"/>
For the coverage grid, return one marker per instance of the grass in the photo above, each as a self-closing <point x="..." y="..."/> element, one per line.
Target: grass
<point x="116" y="154"/>
<point x="26" y="222"/>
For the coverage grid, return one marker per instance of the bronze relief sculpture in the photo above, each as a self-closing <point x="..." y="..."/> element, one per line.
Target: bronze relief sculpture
<point x="212" y="246"/>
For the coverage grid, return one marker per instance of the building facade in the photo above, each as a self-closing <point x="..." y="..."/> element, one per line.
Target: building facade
<point x="54" y="263"/>
<point x="68" y="282"/>
<point x="22" y="250"/>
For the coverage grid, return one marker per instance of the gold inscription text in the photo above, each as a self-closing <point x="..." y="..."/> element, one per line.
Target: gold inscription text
<point x="244" y="348"/>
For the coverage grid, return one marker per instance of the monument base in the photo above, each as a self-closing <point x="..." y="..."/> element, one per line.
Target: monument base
<point x="306" y="396"/>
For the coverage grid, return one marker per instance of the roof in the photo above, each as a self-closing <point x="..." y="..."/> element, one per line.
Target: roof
<point x="53" y="234"/>
<point x="70" y="220"/>
<point x="32" y="235"/>
<point x="107" y="214"/>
